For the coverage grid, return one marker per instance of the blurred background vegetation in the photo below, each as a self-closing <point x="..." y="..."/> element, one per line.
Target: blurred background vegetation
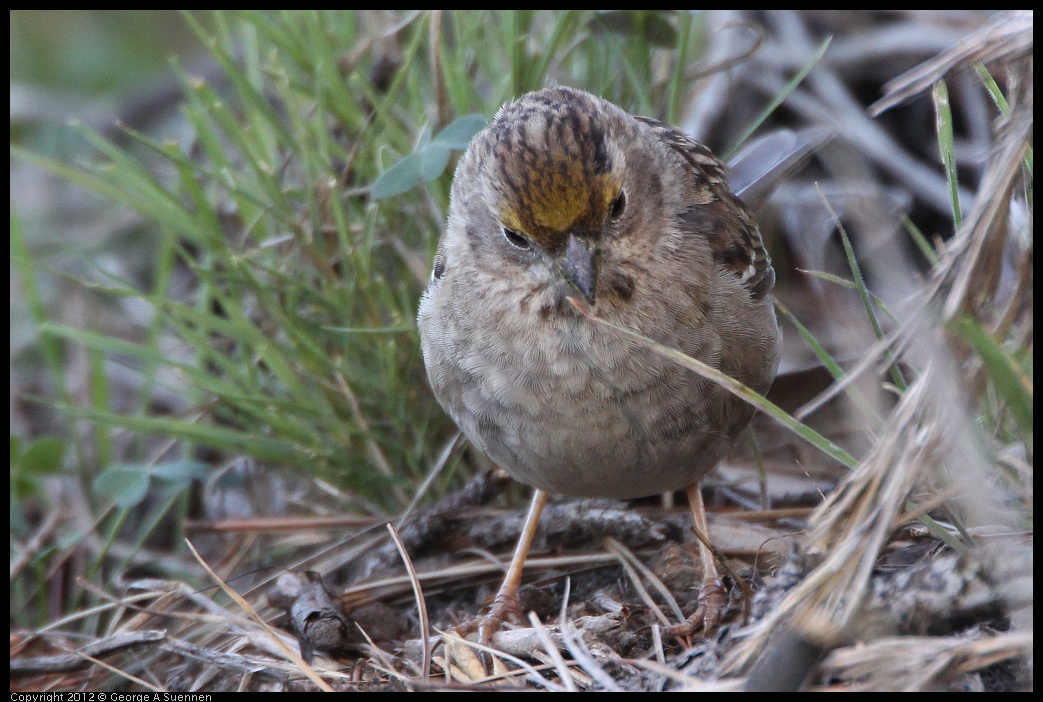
<point x="235" y="287"/>
<point x="221" y="224"/>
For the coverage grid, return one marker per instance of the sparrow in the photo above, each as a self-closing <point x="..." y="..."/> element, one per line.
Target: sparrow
<point x="564" y="202"/>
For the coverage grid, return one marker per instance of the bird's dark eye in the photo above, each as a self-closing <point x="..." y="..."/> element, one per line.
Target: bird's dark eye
<point x="516" y="238"/>
<point x="618" y="205"/>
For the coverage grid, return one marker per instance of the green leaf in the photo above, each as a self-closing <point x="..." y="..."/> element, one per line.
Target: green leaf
<point x="435" y="159"/>
<point x="425" y="139"/>
<point x="430" y="159"/>
<point x="459" y="134"/>
<point x="127" y="484"/>
<point x="43" y="457"/>
<point x="946" y="146"/>
<point x="403" y="176"/>
<point x="177" y="476"/>
<point x="1012" y="383"/>
<point x="180" y="471"/>
<point x="22" y="487"/>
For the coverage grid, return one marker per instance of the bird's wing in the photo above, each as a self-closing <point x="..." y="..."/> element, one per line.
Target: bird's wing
<point x="734" y="238"/>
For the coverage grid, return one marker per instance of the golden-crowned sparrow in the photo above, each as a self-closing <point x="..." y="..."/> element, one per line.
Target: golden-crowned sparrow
<point x="566" y="195"/>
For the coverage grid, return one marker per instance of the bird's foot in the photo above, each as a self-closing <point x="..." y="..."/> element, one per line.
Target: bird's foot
<point x="713" y="601"/>
<point x="506" y="608"/>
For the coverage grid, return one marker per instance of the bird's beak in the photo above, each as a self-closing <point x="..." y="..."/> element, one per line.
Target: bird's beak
<point x="580" y="266"/>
